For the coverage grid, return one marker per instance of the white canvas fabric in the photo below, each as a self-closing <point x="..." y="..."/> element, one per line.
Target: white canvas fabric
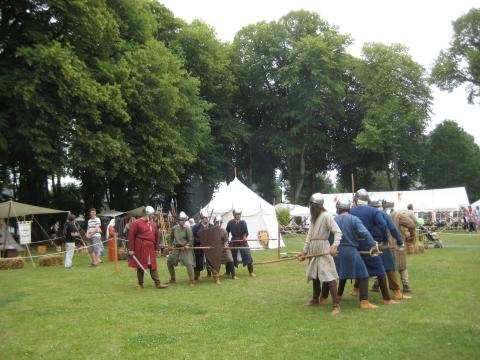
<point x="259" y="214"/>
<point x="449" y="199"/>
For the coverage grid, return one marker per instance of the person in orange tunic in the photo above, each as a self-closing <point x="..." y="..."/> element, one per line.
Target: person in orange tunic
<point x="143" y="245"/>
<point x="111" y="240"/>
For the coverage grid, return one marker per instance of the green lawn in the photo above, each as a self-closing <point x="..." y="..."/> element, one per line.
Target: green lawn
<point x="95" y="313"/>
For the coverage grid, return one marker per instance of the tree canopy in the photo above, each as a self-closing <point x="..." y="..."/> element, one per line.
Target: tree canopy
<point x="460" y="63"/>
<point x="140" y="106"/>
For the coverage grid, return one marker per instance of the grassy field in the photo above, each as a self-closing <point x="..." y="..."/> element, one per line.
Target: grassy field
<point x="95" y="313"/>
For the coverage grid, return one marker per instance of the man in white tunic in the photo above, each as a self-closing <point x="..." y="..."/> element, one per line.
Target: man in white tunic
<point x="321" y="267"/>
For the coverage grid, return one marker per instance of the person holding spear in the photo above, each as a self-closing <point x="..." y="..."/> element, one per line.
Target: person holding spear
<point x="239" y="243"/>
<point x="181" y="241"/>
<point x="350" y="263"/>
<point x="321" y="267"/>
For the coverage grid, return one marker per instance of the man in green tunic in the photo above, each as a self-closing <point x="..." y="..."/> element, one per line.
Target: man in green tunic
<point x="181" y="241"/>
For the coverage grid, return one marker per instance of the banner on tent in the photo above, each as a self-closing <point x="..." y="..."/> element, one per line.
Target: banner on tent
<point x="25" y="231"/>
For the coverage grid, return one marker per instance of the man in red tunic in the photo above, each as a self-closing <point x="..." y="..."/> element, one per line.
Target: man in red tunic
<point x="143" y="245"/>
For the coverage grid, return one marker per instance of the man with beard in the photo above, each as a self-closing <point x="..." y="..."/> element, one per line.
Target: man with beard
<point x="199" y="255"/>
<point x="143" y="245"/>
<point x="238" y="229"/>
<point x="321" y="267"/>
<point x="181" y="240"/>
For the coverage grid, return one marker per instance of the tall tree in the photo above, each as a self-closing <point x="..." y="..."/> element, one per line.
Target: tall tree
<point x="452" y="159"/>
<point x="291" y="87"/>
<point x="396" y="100"/>
<point x="460" y="64"/>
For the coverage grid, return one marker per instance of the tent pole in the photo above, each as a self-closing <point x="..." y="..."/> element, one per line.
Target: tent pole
<point x="116" y="251"/>
<point x="29" y="254"/>
<point x="278" y="249"/>
<point x="5" y="232"/>
<point x="353" y="187"/>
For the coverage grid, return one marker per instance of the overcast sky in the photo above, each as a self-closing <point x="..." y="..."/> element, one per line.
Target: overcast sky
<point x="422" y="25"/>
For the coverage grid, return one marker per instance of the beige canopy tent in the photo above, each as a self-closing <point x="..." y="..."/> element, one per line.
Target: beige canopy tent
<point x="13" y="209"/>
<point x="138" y="212"/>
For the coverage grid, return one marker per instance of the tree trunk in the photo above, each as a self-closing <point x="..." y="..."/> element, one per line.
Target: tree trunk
<point x="250" y="163"/>
<point x="396" y="174"/>
<point x="301" y="178"/>
<point x="59" y="186"/>
<point x="387" y="171"/>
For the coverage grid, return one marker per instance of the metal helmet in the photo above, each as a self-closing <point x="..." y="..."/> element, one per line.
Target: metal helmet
<point x="344" y="203"/>
<point x="182" y="216"/>
<point x="237" y="211"/>
<point x="218" y="219"/>
<point x="373" y="201"/>
<point x="203" y="215"/>
<point x="148" y="210"/>
<point x="317" y="198"/>
<point x="362" y="194"/>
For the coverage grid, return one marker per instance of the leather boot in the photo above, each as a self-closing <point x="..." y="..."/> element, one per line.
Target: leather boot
<point x="216" y="277"/>
<point x="365" y="304"/>
<point x="390" y="302"/>
<point x="156" y="279"/>
<point x="355" y="292"/>
<point x="397" y="295"/>
<point x="140" y="274"/>
<point x="336" y="309"/>
<point x="407" y="289"/>
<point x="235" y="277"/>
<point x="375" y="287"/>
<point x="192" y="283"/>
<point x="323" y="301"/>
<point x="171" y="270"/>
<point x="312" y="302"/>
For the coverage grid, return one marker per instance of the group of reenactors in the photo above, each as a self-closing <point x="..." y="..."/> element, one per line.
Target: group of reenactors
<point x="184" y="247"/>
<point x="360" y="242"/>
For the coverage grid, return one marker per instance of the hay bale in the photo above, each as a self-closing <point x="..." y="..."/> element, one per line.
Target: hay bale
<point x="52" y="260"/>
<point x="12" y="263"/>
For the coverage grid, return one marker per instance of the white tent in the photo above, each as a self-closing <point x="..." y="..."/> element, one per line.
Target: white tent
<point x="449" y="199"/>
<point x="259" y="214"/>
<point x="475" y="204"/>
<point x="295" y="210"/>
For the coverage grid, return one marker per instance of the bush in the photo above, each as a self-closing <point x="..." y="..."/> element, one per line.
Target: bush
<point x="283" y="216"/>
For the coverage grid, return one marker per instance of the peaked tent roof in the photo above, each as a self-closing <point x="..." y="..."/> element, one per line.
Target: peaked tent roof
<point x="15" y="209"/>
<point x="476" y="203"/>
<point x="136" y="212"/>
<point x="259" y="214"/>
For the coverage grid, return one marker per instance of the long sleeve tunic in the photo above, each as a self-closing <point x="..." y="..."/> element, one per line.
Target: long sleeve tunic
<point x="316" y="242"/>
<point x="143" y="240"/>
<point x="349" y="263"/>
<point x="370" y="217"/>
<point x="181" y="237"/>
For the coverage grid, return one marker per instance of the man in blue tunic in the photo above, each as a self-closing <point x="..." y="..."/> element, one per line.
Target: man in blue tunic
<point x="372" y="219"/>
<point x="238" y="229"/>
<point x="387" y="255"/>
<point x="350" y="263"/>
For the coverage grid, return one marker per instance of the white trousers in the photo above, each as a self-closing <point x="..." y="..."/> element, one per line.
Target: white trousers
<point x="70" y="250"/>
